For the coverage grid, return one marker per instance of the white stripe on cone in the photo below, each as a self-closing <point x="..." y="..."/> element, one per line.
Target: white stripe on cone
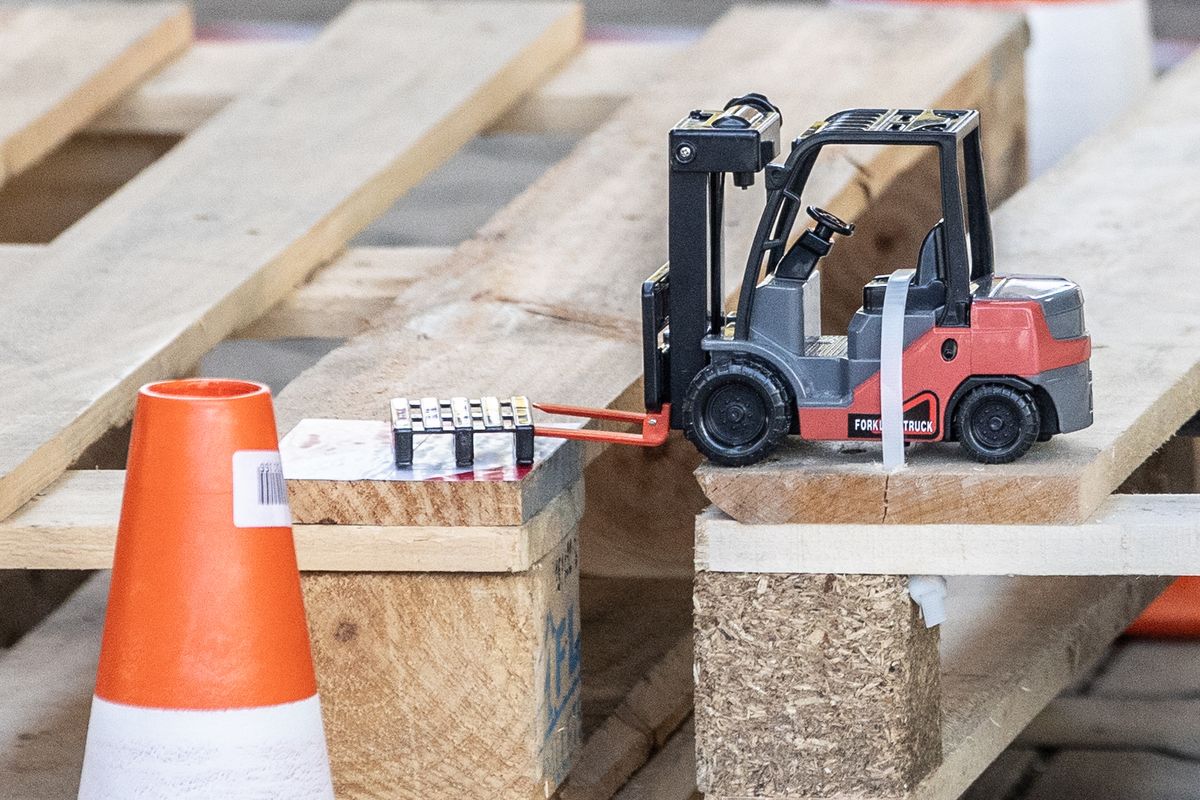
<point x="138" y="753"/>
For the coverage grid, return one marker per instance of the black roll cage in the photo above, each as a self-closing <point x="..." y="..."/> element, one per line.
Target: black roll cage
<point x="948" y="132"/>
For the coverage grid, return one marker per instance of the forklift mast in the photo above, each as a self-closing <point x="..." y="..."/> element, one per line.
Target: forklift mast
<point x="741" y="139"/>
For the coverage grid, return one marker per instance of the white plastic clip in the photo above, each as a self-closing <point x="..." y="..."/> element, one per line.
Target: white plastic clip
<point x="929" y="593"/>
<point x="891" y="368"/>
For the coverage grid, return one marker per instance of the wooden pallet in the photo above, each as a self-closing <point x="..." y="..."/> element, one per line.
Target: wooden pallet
<point x="560" y="266"/>
<point x="814" y="586"/>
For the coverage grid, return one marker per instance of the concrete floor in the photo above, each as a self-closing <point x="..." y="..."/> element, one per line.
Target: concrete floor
<point x="1129" y="732"/>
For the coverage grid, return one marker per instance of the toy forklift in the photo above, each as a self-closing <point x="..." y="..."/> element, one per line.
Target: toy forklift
<point x="993" y="362"/>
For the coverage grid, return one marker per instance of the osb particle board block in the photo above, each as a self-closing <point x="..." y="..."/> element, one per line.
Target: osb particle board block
<point x="223" y="226"/>
<point x="62" y="64"/>
<point x="813" y="686"/>
<point x="1009" y="646"/>
<point x="449" y="686"/>
<point x="1145" y="366"/>
<point x="1128" y="535"/>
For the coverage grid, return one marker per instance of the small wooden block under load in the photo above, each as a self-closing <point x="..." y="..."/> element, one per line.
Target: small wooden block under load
<point x="813" y="686"/>
<point x="461" y="681"/>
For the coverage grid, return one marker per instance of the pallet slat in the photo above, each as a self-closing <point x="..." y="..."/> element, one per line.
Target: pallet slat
<point x="74" y="526"/>
<point x="342" y="298"/>
<point x="211" y="74"/>
<point x="1129" y="535"/>
<point x="222" y="227"/>
<point x="60" y="66"/>
<point x="46" y="684"/>
<point x="1145" y="363"/>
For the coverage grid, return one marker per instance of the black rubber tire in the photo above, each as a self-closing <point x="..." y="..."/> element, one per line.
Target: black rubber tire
<point x="997" y="424"/>
<point x="736" y="412"/>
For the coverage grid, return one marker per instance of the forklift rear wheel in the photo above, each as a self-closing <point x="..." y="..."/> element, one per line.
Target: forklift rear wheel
<point x="736" y="412"/>
<point x="997" y="424"/>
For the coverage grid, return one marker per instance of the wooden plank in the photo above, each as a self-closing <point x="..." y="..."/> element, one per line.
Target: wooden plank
<point x="1129" y="535"/>
<point x="211" y="74"/>
<point x="449" y="685"/>
<point x="74" y="526"/>
<point x="670" y="774"/>
<point x="342" y="298"/>
<point x="590" y="87"/>
<point x="46" y="683"/>
<point x="639" y="724"/>
<point x="37" y="205"/>
<point x="221" y="228"/>
<point x="1145" y="365"/>
<point x="196" y="86"/>
<point x="1009" y="647"/>
<point x="61" y="65"/>
<point x="554" y="278"/>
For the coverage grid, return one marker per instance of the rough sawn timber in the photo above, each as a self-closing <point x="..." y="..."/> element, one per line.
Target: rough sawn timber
<point x="61" y="65"/>
<point x="217" y="231"/>
<point x="74" y="526"/>
<point x="211" y="74"/>
<point x="1146" y="345"/>
<point x="1152" y="534"/>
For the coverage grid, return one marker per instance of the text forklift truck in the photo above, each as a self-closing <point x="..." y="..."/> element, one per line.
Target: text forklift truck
<point x="993" y="362"/>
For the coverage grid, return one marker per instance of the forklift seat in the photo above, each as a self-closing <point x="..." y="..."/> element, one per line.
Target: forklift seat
<point x="931" y="256"/>
<point x="928" y="290"/>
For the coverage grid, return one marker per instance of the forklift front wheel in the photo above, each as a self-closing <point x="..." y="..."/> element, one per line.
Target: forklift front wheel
<point x="997" y="424"/>
<point x="736" y="412"/>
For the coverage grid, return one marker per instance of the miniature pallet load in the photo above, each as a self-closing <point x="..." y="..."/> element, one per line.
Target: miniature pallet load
<point x="782" y="555"/>
<point x="467" y="686"/>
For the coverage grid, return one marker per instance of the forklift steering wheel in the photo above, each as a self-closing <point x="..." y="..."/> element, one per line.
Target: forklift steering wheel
<point x="828" y="224"/>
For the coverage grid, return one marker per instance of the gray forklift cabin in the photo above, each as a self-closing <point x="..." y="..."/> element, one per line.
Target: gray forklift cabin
<point x="945" y="130"/>
<point x="683" y="303"/>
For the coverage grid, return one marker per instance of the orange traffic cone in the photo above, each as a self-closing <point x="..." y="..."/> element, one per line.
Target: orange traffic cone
<point x="1174" y="615"/>
<point x="206" y="686"/>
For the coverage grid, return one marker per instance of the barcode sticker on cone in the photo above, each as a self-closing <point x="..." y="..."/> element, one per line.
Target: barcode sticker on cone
<point x="259" y="491"/>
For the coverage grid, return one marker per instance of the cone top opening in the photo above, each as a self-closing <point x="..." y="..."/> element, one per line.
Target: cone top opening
<point x="204" y="389"/>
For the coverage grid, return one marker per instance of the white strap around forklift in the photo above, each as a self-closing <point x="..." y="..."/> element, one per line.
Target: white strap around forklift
<point x="891" y="368"/>
<point x="927" y="591"/>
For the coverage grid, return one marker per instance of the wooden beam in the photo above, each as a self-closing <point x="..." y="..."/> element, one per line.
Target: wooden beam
<point x="342" y="298"/>
<point x="590" y="87"/>
<point x="46" y="684"/>
<point x="446" y="685"/>
<point x="1009" y="647"/>
<point x="670" y="774"/>
<point x="61" y="65"/>
<point x="74" y="526"/>
<point x="196" y="86"/>
<point x="643" y="721"/>
<point x="1129" y="535"/>
<point x="554" y="278"/>
<point x="211" y="74"/>
<point x="207" y="238"/>
<point x="1145" y="366"/>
